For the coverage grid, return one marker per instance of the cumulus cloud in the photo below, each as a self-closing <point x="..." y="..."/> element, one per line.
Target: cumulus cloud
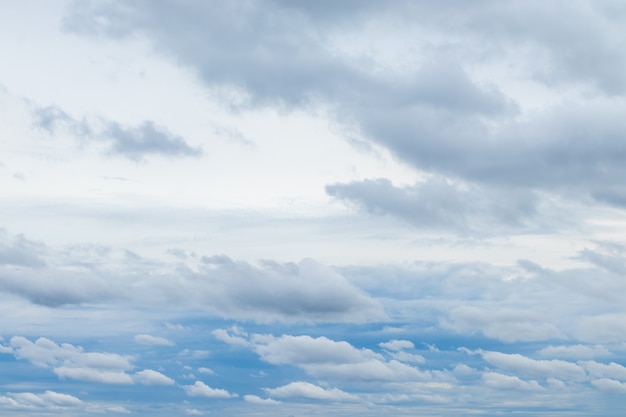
<point x="507" y="382"/>
<point x="255" y="399"/>
<point x="397" y="345"/>
<point x="69" y="361"/>
<point x="200" y="389"/>
<point x="575" y="351"/>
<point x="539" y="369"/>
<point x="47" y="400"/>
<point x="310" y="391"/>
<point x="204" y="370"/>
<point x="303" y="291"/>
<point x="326" y="358"/>
<point x="607" y="384"/>
<point x="600" y="370"/>
<point x="150" y="377"/>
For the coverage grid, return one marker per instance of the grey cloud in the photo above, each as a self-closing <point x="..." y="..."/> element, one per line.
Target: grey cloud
<point x="134" y="143"/>
<point x="440" y="204"/>
<point x="306" y="291"/>
<point x="48" y="118"/>
<point x="438" y="118"/>
<point x="20" y="251"/>
<point x="612" y="263"/>
<point x="147" y="139"/>
<point x="523" y="302"/>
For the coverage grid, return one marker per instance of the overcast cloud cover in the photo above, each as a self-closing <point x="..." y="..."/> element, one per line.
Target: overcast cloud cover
<point x="304" y="208"/>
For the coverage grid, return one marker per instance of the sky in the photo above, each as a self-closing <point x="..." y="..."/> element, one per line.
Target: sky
<point x="312" y="208"/>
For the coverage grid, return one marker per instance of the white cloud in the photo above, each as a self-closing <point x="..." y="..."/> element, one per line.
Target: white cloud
<point x="68" y="361"/>
<point x="46" y="400"/>
<point x="255" y="399"/>
<point x="150" y="377"/>
<point x="147" y="339"/>
<point x="600" y="370"/>
<point x="535" y="368"/>
<point x="506" y="324"/>
<point x="323" y="357"/>
<point x="204" y="370"/>
<point x="575" y="351"/>
<point x="397" y="345"/>
<point x="200" y="389"/>
<point x="607" y="384"/>
<point x="93" y="375"/>
<point x="194" y="412"/>
<point x="307" y="390"/>
<point x="507" y="382"/>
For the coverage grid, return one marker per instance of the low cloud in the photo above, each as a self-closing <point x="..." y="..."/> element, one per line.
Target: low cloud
<point x="575" y="351"/>
<point x="289" y="292"/>
<point x="150" y="377"/>
<point x="72" y="362"/>
<point x="325" y="358"/>
<point x="310" y="391"/>
<point x="507" y="382"/>
<point x="49" y="400"/>
<point x="255" y="399"/>
<point x="200" y="389"/>
<point x="538" y="369"/>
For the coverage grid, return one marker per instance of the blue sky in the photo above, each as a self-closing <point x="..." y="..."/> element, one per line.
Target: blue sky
<point x="291" y="208"/>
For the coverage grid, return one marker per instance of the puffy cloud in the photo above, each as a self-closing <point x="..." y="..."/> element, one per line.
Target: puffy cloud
<point x="600" y="370"/>
<point x="68" y="361"/>
<point x="255" y="399"/>
<point x="542" y="369"/>
<point x="150" y="377"/>
<point x="147" y="339"/>
<point x="93" y="375"/>
<point x="607" y="384"/>
<point x="507" y="382"/>
<point x="323" y="357"/>
<point x="200" y="389"/>
<point x="397" y="345"/>
<point x="310" y="391"/>
<point x="46" y="400"/>
<point x="306" y="291"/>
